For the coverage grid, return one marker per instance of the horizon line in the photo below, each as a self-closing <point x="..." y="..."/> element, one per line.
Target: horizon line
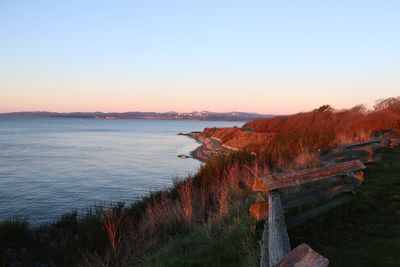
<point x="44" y="111"/>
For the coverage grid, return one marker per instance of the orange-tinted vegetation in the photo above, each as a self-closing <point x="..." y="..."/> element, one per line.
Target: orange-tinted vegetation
<point x="298" y="135"/>
<point x="350" y="121"/>
<point x="238" y="139"/>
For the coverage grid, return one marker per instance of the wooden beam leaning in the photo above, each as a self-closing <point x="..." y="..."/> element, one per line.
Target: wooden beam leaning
<point x="346" y="155"/>
<point x="299" y="219"/>
<point x="288" y="179"/>
<point x="354" y="145"/>
<point x="365" y="153"/>
<point x="393" y="142"/>
<point x="333" y="187"/>
<point x="373" y="147"/>
<point x="385" y="142"/>
<point x="303" y="256"/>
<point x="278" y="238"/>
<point x="329" y="189"/>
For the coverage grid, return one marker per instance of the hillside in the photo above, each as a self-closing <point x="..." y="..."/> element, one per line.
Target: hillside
<point x="323" y="128"/>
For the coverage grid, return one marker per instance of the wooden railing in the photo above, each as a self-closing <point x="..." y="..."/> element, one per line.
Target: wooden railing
<point x="332" y="185"/>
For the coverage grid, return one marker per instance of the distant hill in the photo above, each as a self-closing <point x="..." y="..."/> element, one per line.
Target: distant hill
<point x="203" y="115"/>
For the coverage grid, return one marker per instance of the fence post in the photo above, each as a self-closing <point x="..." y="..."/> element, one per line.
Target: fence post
<point x="278" y="239"/>
<point x="264" y="247"/>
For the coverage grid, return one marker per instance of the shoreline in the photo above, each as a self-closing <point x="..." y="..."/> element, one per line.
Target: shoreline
<point x="209" y="148"/>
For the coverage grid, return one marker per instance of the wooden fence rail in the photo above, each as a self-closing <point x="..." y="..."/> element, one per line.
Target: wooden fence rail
<point x="331" y="185"/>
<point x="290" y="179"/>
<point x="303" y="255"/>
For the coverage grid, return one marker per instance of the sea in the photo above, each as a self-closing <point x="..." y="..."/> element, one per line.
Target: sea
<point x="50" y="166"/>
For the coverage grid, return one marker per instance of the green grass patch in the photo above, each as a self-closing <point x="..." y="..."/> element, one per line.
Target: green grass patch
<point x="232" y="242"/>
<point x="365" y="231"/>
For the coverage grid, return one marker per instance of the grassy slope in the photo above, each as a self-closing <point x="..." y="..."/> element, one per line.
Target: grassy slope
<point x="364" y="232"/>
<point x="230" y="243"/>
<point x="320" y="129"/>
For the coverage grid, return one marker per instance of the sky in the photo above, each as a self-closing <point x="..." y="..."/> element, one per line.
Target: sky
<point x="276" y="57"/>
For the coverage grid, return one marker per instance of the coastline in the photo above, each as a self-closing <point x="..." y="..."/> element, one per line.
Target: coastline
<point x="209" y="147"/>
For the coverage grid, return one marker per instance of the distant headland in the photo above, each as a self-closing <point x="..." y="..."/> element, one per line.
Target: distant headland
<point x="136" y="115"/>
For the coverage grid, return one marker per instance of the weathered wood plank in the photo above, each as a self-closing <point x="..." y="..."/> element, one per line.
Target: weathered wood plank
<point x="385" y="142"/>
<point x="391" y="135"/>
<point x="361" y="155"/>
<point x="264" y="261"/>
<point x="364" y="151"/>
<point x="299" y="219"/>
<point x="259" y="211"/>
<point x="393" y="142"/>
<point x="314" y="194"/>
<point x="329" y="188"/>
<point x="288" y="179"/>
<point x="303" y="256"/>
<point x="390" y="139"/>
<point x="278" y="239"/>
<point x="358" y="175"/>
<point x="354" y="145"/>
<point x="366" y="154"/>
<point x="372" y="148"/>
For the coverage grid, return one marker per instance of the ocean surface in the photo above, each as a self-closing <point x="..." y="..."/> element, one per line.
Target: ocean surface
<point x="49" y="166"/>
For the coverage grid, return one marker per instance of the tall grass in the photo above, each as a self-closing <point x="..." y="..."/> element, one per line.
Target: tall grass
<point x="325" y="128"/>
<point x="185" y="192"/>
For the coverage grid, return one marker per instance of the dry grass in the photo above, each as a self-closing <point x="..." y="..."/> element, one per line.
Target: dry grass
<point x="185" y="192"/>
<point x="111" y="226"/>
<point x="238" y="139"/>
<point x="323" y="127"/>
<point x="361" y="135"/>
<point x="223" y="201"/>
<point x="306" y="159"/>
<point x="161" y="217"/>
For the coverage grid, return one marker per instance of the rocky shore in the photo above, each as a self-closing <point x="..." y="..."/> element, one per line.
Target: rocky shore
<point x="210" y="147"/>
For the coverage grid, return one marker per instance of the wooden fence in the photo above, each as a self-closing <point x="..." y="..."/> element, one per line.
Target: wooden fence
<point x="319" y="190"/>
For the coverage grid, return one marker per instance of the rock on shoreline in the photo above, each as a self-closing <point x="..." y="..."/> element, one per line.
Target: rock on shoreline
<point x="210" y="147"/>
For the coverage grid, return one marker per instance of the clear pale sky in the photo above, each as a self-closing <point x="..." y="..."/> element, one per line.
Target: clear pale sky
<point x="255" y="56"/>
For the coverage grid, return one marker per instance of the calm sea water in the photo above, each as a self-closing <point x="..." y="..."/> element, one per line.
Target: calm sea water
<point x="52" y="166"/>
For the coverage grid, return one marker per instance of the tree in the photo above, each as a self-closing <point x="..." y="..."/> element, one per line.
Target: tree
<point x="324" y="108"/>
<point x="388" y="103"/>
